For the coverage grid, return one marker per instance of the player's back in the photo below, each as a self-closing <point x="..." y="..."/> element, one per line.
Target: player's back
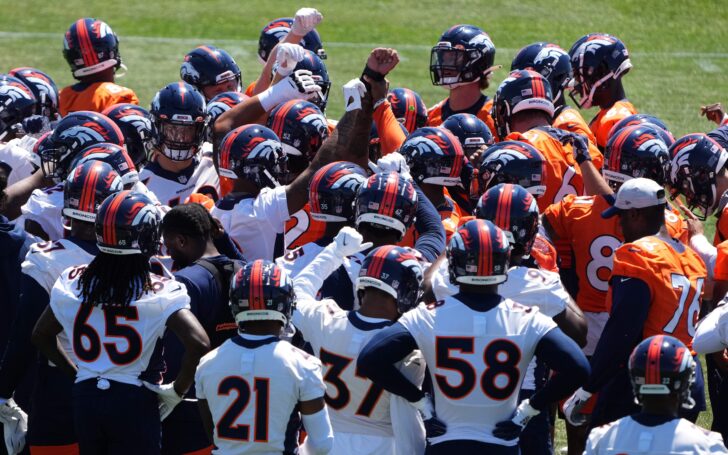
<point x="45" y="206"/>
<point x="115" y="343"/>
<point x="605" y="119"/>
<point x="252" y="388"/>
<point x="172" y="188"/>
<point x="563" y="176"/>
<point x="301" y="229"/>
<point x="664" y="436"/>
<point x="477" y="360"/>
<point x="94" y="97"/>
<point x="675" y="276"/>
<point x="440" y="112"/>
<point x="337" y="336"/>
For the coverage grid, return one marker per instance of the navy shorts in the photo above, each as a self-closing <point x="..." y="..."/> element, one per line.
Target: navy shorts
<point x="50" y="420"/>
<point x="535" y="439"/>
<point x="122" y="419"/>
<point x="182" y="431"/>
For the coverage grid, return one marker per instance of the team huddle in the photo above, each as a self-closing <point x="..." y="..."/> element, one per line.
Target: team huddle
<point x="231" y="271"/>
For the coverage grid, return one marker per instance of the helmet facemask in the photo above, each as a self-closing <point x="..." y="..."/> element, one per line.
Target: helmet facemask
<point x="180" y="141"/>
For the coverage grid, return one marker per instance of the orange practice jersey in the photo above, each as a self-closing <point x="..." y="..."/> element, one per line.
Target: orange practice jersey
<point x="675" y="276"/>
<point x="720" y="273"/>
<point x="302" y="229"/>
<point x="563" y="175"/>
<point x="249" y="89"/>
<point x="593" y="239"/>
<point x="390" y="133"/>
<point x="94" y="97"/>
<point x="569" y="119"/>
<point x="602" y="124"/>
<point x="441" y="111"/>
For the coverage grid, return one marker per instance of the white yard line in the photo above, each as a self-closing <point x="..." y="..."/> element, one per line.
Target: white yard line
<point x="333" y="44"/>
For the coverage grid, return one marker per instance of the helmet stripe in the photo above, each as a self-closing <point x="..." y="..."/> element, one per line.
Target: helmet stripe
<point x="88" y="191"/>
<point x="652" y="370"/>
<point x="84" y="41"/>
<point x="280" y="117"/>
<point x="110" y="218"/>
<point x="503" y="211"/>
<point x="616" y="155"/>
<point x="255" y="296"/>
<point x="211" y="52"/>
<point x="410" y="112"/>
<point x="485" y="249"/>
<point x="375" y="267"/>
<point x="182" y="90"/>
<point x="313" y="190"/>
<point x="390" y="195"/>
<point x="227" y="146"/>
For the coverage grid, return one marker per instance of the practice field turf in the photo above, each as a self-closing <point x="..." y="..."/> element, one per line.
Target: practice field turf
<point x="679" y="49"/>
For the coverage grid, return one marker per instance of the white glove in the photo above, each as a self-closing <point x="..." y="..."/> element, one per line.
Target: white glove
<point x="300" y="84"/>
<point x="395" y="162"/>
<point x="574" y="405"/>
<point x="354" y="90"/>
<point x="287" y="56"/>
<point x="168" y="397"/>
<point x="511" y="429"/>
<point x="306" y="19"/>
<point x="15" y="426"/>
<point x="349" y="242"/>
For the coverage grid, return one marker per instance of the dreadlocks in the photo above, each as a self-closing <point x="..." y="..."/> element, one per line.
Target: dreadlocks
<point x="114" y="281"/>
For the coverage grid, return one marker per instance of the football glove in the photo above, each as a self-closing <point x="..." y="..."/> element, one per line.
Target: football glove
<point x="306" y="20"/>
<point x="579" y="146"/>
<point x="395" y="162"/>
<point x="15" y="426"/>
<point x="511" y="429"/>
<point x="574" y="405"/>
<point x="34" y="125"/>
<point x="300" y="84"/>
<point x="287" y="56"/>
<point x="354" y="90"/>
<point x="434" y="427"/>
<point x="167" y="396"/>
<point x="349" y="242"/>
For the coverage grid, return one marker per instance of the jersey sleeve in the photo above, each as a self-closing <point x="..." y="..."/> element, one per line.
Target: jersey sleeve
<point x="419" y="323"/>
<point x="544" y="290"/>
<point x="632" y="261"/>
<point x="391" y="136"/>
<point x="36" y="262"/>
<point x="311" y="384"/>
<point x="200" y="374"/>
<point x="721" y="262"/>
<point x="42" y="208"/>
<point x="59" y="295"/>
<point x="711" y="334"/>
<point x="558" y="217"/>
<point x="721" y="227"/>
<point x="272" y="206"/>
<point x="174" y="299"/>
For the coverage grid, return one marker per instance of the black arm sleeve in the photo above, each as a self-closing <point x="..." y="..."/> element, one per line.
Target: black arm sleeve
<point x="376" y="361"/>
<point x="431" y="240"/>
<point x="563" y="356"/>
<point x="630" y="306"/>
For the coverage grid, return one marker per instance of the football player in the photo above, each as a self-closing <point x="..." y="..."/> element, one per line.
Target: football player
<point x="435" y="159"/>
<point x="91" y="49"/>
<point x="113" y="312"/>
<point x="51" y="423"/>
<point x="462" y="62"/>
<point x="206" y="272"/>
<point x="553" y="63"/>
<point x="211" y="70"/>
<point x="661" y="371"/>
<point x="362" y="415"/>
<point x="477" y="346"/>
<point x="285" y="380"/>
<point x="599" y="61"/>
<point x="655" y="289"/>
<point x="331" y="196"/>
<point x="514" y="209"/>
<point x="178" y="170"/>
<point x="45" y="91"/>
<point x="638" y="119"/>
<point x="136" y="124"/>
<point x="19" y="104"/>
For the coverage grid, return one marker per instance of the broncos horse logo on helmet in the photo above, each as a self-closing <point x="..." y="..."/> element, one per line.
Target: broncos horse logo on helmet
<point x="512" y="162"/>
<point x="434" y="156"/>
<point x="395" y="271"/>
<point x="255" y="153"/>
<point x="86" y="187"/>
<point x="333" y="190"/>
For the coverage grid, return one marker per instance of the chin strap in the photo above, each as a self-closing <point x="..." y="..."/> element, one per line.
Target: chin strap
<point x="123" y="71"/>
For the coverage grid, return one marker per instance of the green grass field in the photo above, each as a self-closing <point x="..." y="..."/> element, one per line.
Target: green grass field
<point x="679" y="49"/>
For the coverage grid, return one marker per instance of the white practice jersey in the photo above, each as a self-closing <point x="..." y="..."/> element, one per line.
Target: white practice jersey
<point x="252" y="385"/>
<point x="255" y="222"/>
<point x="530" y="287"/>
<point x="360" y="412"/>
<point x="114" y="343"/>
<point x="711" y="335"/>
<point x="174" y="188"/>
<point x="18" y="155"/>
<point x="46" y="261"/>
<point x="675" y="437"/>
<point x="477" y="361"/>
<point x="45" y="207"/>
